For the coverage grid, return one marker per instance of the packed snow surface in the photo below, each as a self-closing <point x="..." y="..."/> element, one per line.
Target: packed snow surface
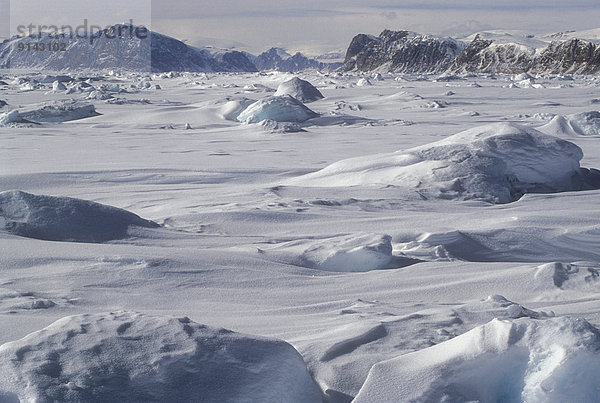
<point x="252" y="239"/>
<point x="284" y="108"/>
<point x="64" y="218"/>
<point x="300" y="89"/>
<point x="497" y="163"/>
<point x="125" y="356"/>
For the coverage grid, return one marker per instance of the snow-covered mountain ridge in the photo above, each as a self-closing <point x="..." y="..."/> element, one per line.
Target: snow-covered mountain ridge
<point x="486" y="52"/>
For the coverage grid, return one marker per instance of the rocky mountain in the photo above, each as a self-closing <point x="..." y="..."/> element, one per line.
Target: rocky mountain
<point x="123" y="51"/>
<point x="278" y="59"/>
<point x="401" y="51"/>
<point x="488" y="56"/>
<point x="488" y="52"/>
<point x="574" y="56"/>
<point x="169" y="54"/>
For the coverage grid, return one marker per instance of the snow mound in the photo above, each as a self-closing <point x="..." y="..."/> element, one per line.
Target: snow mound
<point x="302" y="90"/>
<point x="347" y="253"/>
<point x="495" y="163"/>
<point x="232" y="109"/>
<point x="586" y="123"/>
<point x="64" y="218"/>
<point x="522" y="360"/>
<point x="60" y="112"/>
<point x="126" y="356"/>
<point x="283" y="108"/>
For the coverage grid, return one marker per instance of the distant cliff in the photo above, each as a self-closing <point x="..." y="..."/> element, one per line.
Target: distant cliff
<point x="104" y="50"/>
<point x="278" y="59"/>
<point x="408" y="52"/>
<point x="401" y="51"/>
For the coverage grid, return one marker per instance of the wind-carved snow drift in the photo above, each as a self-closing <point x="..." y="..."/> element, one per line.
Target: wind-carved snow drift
<point x="64" y="218"/>
<point x="523" y="360"/>
<point x="497" y="163"/>
<point x="583" y="124"/>
<point x="126" y="356"/>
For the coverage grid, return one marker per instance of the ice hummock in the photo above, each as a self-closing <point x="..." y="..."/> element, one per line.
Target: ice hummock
<point x="59" y="112"/>
<point x="64" y="218"/>
<point x="127" y="356"/>
<point x="300" y="89"/>
<point x="495" y="163"/>
<point x="284" y="108"/>
<point x="10" y="118"/>
<point x="521" y="360"/>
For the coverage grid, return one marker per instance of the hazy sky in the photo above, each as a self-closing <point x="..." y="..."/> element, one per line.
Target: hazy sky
<point x="312" y="25"/>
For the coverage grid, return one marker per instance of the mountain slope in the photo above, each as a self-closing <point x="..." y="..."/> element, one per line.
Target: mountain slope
<point x="401" y="51"/>
<point x="278" y="59"/>
<point x="488" y="52"/>
<point x="106" y="50"/>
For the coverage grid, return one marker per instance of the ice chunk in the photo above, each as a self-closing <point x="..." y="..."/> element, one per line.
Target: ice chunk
<point x="58" y="86"/>
<point x="283" y="108"/>
<point x="10" y="117"/>
<point x="496" y="163"/>
<point x="363" y="82"/>
<point x="99" y="95"/>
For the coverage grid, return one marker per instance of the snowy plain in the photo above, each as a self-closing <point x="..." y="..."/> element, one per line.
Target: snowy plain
<point x="373" y="280"/>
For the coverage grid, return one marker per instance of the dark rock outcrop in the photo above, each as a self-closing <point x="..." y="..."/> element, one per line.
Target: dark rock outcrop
<point x="575" y="56"/>
<point x="407" y="52"/>
<point x="401" y="51"/>
<point x="485" y="56"/>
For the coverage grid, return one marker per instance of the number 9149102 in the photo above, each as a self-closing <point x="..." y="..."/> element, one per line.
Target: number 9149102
<point x="42" y="47"/>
